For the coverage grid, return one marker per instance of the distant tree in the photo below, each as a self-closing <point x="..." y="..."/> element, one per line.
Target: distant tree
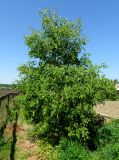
<point x="60" y="85"/>
<point x="116" y="81"/>
<point x="6" y="85"/>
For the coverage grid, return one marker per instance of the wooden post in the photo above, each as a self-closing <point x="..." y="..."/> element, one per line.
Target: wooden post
<point x="8" y="99"/>
<point x="0" y="103"/>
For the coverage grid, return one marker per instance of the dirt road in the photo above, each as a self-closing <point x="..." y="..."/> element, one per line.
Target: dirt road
<point x="110" y="108"/>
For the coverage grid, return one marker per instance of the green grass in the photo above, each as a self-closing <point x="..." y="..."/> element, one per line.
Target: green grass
<point x="107" y="145"/>
<point x="106" y="140"/>
<point x="20" y="154"/>
<point x="5" y="148"/>
<point x="117" y="97"/>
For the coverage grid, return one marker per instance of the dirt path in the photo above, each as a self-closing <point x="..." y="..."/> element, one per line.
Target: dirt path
<point x="24" y="144"/>
<point x="22" y="148"/>
<point x="109" y="108"/>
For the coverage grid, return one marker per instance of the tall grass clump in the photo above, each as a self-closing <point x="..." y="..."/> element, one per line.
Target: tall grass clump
<point x="70" y="150"/>
<point x="108" y="133"/>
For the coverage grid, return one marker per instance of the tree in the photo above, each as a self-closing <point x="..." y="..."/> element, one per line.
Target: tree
<point x="60" y="85"/>
<point x="58" y="42"/>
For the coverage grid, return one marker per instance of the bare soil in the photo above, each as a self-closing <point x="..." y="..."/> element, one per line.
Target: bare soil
<point x="24" y="146"/>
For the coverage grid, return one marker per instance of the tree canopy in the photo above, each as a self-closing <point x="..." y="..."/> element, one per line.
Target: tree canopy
<point x="61" y="85"/>
<point x="58" y="42"/>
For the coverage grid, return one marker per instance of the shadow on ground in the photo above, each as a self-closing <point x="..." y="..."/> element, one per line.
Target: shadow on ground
<point x="12" y="153"/>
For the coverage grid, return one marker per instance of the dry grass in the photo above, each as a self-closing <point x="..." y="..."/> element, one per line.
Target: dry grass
<point x="24" y="144"/>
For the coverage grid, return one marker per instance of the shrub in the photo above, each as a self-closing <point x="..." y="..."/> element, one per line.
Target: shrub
<point x="107" y="134"/>
<point x="61" y="99"/>
<point x="70" y="150"/>
<point x="109" y="152"/>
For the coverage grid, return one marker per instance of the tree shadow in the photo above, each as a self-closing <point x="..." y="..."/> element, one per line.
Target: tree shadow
<point x="2" y="129"/>
<point x="12" y="153"/>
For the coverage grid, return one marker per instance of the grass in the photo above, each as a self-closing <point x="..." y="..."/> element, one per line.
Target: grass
<point x="47" y="151"/>
<point x="26" y="147"/>
<point x="117" y="97"/>
<point x="107" y="140"/>
<point x="5" y="140"/>
<point x="20" y="154"/>
<point x="5" y="148"/>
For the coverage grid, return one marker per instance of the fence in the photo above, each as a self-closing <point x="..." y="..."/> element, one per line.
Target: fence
<point x="6" y="105"/>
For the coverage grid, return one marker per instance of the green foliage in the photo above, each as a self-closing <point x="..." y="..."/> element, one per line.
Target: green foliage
<point x="117" y="97"/>
<point x="47" y="151"/>
<point x="70" y="150"/>
<point x="61" y="86"/>
<point x="5" y="147"/>
<point x="116" y="81"/>
<point x="107" y="134"/>
<point x="58" y="41"/>
<point x="61" y="100"/>
<point x="110" y="152"/>
<point x="6" y="85"/>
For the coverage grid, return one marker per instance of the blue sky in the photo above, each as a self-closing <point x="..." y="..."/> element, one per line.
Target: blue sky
<point x="101" y="27"/>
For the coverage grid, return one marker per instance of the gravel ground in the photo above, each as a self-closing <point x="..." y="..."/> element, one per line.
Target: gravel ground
<point x="109" y="109"/>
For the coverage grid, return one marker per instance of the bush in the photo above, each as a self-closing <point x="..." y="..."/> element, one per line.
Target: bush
<point x="107" y="134"/>
<point x="70" y="150"/>
<point x="109" y="152"/>
<point x="117" y="97"/>
<point x="61" y="99"/>
<point x="47" y="151"/>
